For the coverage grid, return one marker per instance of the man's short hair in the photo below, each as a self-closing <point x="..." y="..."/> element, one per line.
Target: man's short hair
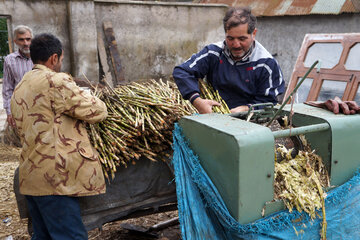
<point x="237" y="16"/>
<point x="21" y="29"/>
<point x="43" y="46"/>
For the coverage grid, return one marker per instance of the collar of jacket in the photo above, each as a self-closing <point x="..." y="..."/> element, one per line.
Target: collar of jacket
<point x="42" y="67"/>
<point x="244" y="59"/>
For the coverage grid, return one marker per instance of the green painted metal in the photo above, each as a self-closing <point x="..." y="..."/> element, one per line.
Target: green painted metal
<point x="274" y="206"/>
<point x="301" y="130"/>
<point x="338" y="146"/>
<point x="238" y="157"/>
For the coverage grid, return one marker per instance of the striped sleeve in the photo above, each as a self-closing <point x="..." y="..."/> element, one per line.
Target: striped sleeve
<point x="197" y="66"/>
<point x="15" y="67"/>
<point x="8" y="86"/>
<point x="271" y="82"/>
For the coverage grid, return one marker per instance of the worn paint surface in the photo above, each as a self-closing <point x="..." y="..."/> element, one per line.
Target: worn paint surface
<point x="328" y="6"/>
<point x="293" y="7"/>
<point x="152" y="39"/>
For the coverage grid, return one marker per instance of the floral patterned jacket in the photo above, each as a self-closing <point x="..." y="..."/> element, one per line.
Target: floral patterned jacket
<point x="57" y="158"/>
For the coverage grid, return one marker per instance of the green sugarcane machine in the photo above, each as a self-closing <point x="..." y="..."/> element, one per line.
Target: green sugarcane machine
<point x="238" y="155"/>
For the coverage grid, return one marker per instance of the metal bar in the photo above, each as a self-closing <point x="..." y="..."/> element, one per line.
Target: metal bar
<point x="301" y="130"/>
<point x="164" y="224"/>
<point x="290" y="95"/>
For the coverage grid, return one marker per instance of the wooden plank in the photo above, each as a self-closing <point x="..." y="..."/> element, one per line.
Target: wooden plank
<point x="114" y="53"/>
<point x="10" y="38"/>
<point x="337" y="72"/>
<point x="103" y="60"/>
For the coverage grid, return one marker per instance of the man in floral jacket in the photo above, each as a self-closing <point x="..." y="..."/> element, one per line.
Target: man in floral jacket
<point x="57" y="162"/>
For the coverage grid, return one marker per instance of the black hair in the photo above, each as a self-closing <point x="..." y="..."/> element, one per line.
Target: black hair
<point x="239" y="15"/>
<point x="43" y="46"/>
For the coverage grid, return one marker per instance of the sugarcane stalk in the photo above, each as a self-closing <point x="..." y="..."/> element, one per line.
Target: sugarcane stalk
<point x="208" y="92"/>
<point x="140" y="119"/>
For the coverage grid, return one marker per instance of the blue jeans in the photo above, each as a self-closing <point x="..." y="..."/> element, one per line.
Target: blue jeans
<point x="56" y="217"/>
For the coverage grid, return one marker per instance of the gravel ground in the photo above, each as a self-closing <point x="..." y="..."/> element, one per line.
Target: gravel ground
<point x="12" y="225"/>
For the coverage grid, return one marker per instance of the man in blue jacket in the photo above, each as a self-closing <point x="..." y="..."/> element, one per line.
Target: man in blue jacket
<point x="240" y="68"/>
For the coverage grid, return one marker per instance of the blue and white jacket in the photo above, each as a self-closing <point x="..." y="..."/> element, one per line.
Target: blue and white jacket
<point x="255" y="79"/>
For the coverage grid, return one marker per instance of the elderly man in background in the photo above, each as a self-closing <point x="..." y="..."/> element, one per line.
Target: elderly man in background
<point x="15" y="66"/>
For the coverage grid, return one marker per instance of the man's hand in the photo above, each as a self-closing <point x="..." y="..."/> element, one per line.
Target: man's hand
<point x="242" y="108"/>
<point x="11" y="121"/>
<point x="343" y="106"/>
<point x="336" y="106"/>
<point x="204" y="105"/>
<point x="332" y="105"/>
<point x="353" y="106"/>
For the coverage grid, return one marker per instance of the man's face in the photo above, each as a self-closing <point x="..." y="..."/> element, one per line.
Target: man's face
<point x="239" y="41"/>
<point x="23" y="41"/>
<point x="57" y="66"/>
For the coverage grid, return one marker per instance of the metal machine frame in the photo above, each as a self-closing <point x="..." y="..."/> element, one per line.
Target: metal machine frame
<point x="239" y="155"/>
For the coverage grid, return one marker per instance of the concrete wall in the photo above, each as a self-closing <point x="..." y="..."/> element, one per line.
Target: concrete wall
<point x="72" y="21"/>
<point x="284" y="35"/>
<point x="41" y="16"/>
<point x="83" y="39"/>
<point x="152" y="37"/>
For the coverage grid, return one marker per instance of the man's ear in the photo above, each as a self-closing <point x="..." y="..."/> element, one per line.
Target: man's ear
<point x="254" y="33"/>
<point x="54" y="59"/>
<point x="15" y="38"/>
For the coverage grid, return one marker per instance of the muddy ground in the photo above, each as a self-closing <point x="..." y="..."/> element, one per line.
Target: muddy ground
<point x="12" y="225"/>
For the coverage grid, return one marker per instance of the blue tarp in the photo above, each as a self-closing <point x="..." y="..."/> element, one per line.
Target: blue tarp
<point x="203" y="214"/>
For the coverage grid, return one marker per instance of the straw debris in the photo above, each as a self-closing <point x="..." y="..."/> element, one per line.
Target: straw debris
<point x="300" y="180"/>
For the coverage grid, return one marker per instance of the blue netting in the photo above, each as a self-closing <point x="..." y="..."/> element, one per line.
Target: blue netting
<point x="203" y="214"/>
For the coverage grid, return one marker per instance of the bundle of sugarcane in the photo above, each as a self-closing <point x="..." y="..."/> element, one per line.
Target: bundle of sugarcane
<point x="139" y="123"/>
<point x="208" y="92"/>
<point x="299" y="182"/>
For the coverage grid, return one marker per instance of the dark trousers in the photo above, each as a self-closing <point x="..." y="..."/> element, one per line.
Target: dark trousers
<point x="56" y="217"/>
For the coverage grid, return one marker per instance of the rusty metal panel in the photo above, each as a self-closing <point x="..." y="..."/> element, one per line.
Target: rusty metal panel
<point x="293" y="7"/>
<point x="227" y="2"/>
<point x="259" y="7"/>
<point x="348" y="7"/>
<point x="337" y="72"/>
<point x="280" y="9"/>
<point x="300" y="7"/>
<point x="273" y="5"/>
<point x="327" y="7"/>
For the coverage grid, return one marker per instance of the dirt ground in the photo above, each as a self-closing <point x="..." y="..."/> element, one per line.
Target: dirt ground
<point x="12" y="226"/>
